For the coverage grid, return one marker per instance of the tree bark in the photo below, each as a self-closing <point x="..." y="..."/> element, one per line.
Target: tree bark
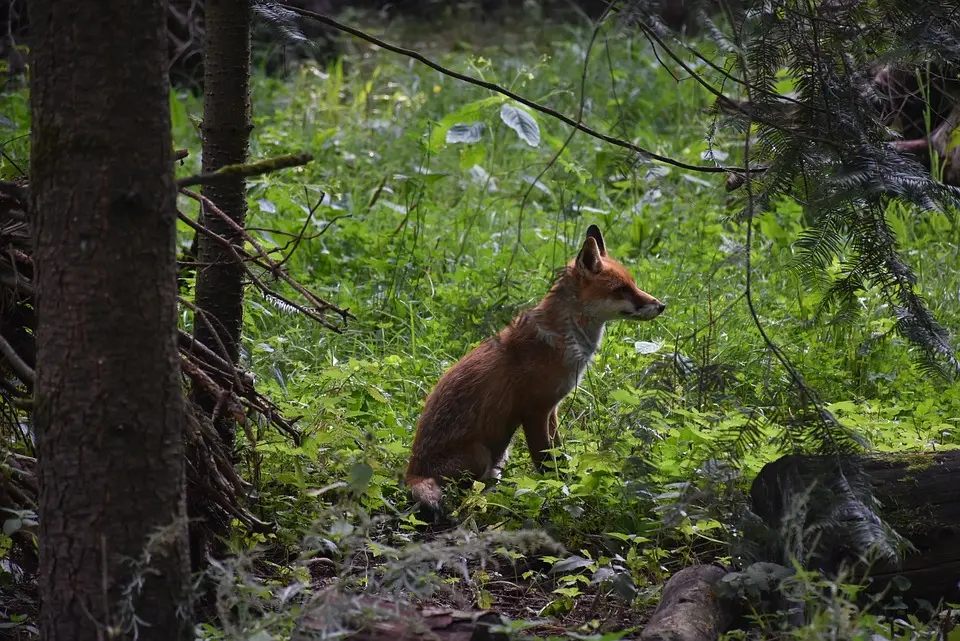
<point x="108" y="399"/>
<point x="226" y="131"/>
<point x="690" y="609"/>
<point x="219" y="290"/>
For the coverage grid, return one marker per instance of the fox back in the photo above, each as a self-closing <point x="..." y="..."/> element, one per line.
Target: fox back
<point x="518" y="377"/>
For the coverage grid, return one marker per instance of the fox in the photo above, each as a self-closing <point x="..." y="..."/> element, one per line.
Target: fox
<point x="519" y="376"/>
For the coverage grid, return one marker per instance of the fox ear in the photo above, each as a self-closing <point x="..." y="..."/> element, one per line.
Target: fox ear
<point x="594" y="232"/>
<point x="589" y="257"/>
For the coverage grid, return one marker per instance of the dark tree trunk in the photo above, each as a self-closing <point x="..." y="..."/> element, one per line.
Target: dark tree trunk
<point x="226" y="132"/>
<point x="219" y="295"/>
<point x="108" y="398"/>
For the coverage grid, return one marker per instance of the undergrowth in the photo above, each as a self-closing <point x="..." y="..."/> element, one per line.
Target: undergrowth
<point x="435" y="246"/>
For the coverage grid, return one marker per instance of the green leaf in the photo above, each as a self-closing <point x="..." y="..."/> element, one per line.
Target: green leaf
<point x="557" y="607"/>
<point x="360" y="475"/>
<point x="623" y="396"/>
<point x="12" y="525"/>
<point x="472" y="155"/>
<point x="522" y="123"/>
<point x="624" y="587"/>
<point x="466" y="113"/>
<point x="467" y="132"/>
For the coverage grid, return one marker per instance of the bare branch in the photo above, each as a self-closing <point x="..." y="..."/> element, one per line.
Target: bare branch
<point x="275" y="270"/>
<point x="246" y="170"/>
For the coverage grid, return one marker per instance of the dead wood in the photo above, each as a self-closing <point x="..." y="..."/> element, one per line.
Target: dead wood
<point x="690" y="610"/>
<point x="916" y="493"/>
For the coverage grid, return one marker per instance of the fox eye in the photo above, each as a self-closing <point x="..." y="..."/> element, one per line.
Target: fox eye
<point x="623" y="290"/>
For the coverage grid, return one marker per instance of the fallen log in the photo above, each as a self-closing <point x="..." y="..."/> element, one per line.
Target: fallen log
<point x="690" y="609"/>
<point x="916" y="495"/>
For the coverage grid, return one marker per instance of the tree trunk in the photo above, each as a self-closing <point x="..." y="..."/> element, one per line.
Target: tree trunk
<point x="226" y="132"/>
<point x="108" y="397"/>
<point x="219" y="294"/>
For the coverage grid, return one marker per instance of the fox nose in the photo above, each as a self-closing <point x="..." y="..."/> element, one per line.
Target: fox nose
<point x="661" y="307"/>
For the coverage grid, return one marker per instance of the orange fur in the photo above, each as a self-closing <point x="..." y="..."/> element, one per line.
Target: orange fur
<point x="519" y="377"/>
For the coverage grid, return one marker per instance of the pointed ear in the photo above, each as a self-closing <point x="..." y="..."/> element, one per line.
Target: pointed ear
<point x="594" y="232"/>
<point x="589" y="257"/>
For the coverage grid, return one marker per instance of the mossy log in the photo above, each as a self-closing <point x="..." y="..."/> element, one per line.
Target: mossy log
<point x="918" y="494"/>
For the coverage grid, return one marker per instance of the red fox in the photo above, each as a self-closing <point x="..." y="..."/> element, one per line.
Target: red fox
<point x="520" y="376"/>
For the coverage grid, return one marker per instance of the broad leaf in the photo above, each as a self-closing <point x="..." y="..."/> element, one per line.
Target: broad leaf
<point x="360" y="475"/>
<point x="570" y="563"/>
<point x="646" y="347"/>
<point x="465" y="114"/>
<point x="466" y="132"/>
<point x="522" y="123"/>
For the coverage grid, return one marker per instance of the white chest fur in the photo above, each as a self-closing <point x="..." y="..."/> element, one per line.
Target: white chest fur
<point x="578" y="343"/>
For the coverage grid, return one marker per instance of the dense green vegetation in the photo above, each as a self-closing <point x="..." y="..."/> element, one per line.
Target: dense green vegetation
<point x="435" y="246"/>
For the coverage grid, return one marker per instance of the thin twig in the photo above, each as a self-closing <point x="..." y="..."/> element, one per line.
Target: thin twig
<point x="211" y="359"/>
<point x="303" y="230"/>
<point x="241" y="258"/>
<point x="805" y="391"/>
<point x="273" y="268"/>
<point x="207" y="383"/>
<point x="739" y="106"/>
<point x="563" y="147"/>
<point x="206" y="320"/>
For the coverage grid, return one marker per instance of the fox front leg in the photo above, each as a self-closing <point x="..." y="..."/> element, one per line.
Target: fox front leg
<point x="540" y="429"/>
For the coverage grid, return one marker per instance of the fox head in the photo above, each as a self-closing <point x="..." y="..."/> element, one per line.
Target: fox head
<point x="606" y="290"/>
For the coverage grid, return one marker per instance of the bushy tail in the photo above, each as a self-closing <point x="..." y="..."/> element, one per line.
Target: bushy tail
<point x="426" y="492"/>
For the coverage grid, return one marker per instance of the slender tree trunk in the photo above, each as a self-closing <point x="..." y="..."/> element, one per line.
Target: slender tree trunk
<point x="226" y="132"/>
<point x="108" y="397"/>
<point x="219" y="294"/>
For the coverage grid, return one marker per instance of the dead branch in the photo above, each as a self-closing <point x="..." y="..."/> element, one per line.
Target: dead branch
<point x="266" y="262"/>
<point x="24" y="371"/>
<point x="248" y="170"/>
<point x="206" y="319"/>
